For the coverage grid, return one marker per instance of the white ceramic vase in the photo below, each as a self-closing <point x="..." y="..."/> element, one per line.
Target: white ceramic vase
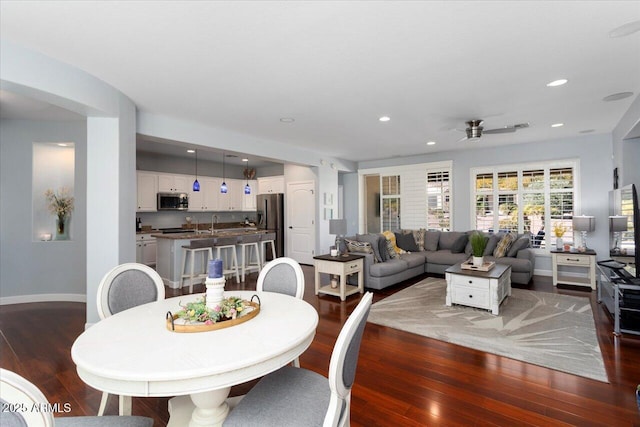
<point x="559" y="243"/>
<point x="215" y="291"/>
<point x="478" y="261"/>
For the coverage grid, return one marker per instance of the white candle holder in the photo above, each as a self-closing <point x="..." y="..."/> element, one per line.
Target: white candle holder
<point x="215" y="291"/>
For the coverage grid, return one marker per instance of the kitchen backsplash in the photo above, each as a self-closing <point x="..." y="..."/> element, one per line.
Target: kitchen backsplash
<point x="170" y="219"/>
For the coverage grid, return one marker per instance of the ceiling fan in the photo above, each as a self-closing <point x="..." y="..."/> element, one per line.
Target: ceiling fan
<point x="475" y="130"/>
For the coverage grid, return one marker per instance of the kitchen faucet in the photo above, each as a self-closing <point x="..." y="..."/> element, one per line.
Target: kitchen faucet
<point x="214" y="221"/>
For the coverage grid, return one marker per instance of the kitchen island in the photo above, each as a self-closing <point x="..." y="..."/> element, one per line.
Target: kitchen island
<point x="169" y="250"/>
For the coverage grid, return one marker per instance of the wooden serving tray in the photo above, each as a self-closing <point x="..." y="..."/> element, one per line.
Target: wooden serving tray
<point x="201" y="327"/>
<point x="468" y="265"/>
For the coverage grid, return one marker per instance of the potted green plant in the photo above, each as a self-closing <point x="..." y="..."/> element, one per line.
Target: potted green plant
<point x="478" y="245"/>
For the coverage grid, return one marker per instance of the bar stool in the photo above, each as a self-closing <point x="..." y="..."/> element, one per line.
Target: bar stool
<point x="191" y="251"/>
<point x="226" y="251"/>
<point x="267" y="239"/>
<point x="250" y="253"/>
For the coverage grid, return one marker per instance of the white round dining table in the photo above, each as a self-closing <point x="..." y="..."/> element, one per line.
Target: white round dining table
<point x="132" y="353"/>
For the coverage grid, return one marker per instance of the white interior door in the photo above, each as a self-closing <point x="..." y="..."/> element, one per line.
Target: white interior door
<point x="300" y="221"/>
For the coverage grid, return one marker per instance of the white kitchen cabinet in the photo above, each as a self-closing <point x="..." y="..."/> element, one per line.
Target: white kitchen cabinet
<point x="146" y="249"/>
<point x="205" y="200"/>
<point x="249" y="200"/>
<point x="173" y="183"/>
<point x="271" y="184"/>
<point x="232" y="200"/>
<point x="147" y="188"/>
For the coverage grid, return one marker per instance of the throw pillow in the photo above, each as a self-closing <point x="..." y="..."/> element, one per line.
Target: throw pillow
<point x="491" y="245"/>
<point x="406" y="242"/>
<point x="459" y="245"/>
<point x="503" y="245"/>
<point x="521" y="243"/>
<point x="418" y="236"/>
<point x="359" y="247"/>
<point x="431" y="240"/>
<point x="372" y="239"/>
<point x="391" y="251"/>
<point x="389" y="235"/>
<point x="382" y="247"/>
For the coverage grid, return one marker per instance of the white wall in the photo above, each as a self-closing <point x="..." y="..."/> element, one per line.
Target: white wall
<point x="31" y="269"/>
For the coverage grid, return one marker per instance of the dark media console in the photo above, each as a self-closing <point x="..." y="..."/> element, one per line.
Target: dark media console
<point x="619" y="291"/>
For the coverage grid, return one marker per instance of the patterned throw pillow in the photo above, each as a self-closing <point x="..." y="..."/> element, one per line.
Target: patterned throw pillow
<point x="504" y="244"/>
<point x="418" y="236"/>
<point x="359" y="247"/>
<point x="390" y="235"/>
<point x="391" y="249"/>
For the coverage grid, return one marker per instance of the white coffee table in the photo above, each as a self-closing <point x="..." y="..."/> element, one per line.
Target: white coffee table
<point x="480" y="289"/>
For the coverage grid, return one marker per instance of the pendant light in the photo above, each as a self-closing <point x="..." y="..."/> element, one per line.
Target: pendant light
<point x="196" y="184"/>
<point x="247" y="188"/>
<point x="223" y="187"/>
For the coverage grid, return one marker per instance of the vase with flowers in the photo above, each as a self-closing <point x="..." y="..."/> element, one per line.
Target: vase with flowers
<point x="558" y="230"/>
<point x="60" y="204"/>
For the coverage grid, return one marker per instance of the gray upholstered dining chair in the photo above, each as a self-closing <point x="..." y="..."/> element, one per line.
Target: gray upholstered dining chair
<point x="300" y="397"/>
<point x="22" y="396"/>
<point x="126" y="286"/>
<point x="283" y="275"/>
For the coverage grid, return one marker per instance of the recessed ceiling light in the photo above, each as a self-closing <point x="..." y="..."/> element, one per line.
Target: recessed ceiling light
<point x="287" y="119"/>
<point x="555" y="83"/>
<point x="384" y="118"/>
<point x="62" y="144"/>
<point x="191" y="151"/>
<point x="625" y="30"/>
<point x="431" y="143"/>
<point x="617" y="96"/>
<point x="245" y="160"/>
<point x="557" y="125"/>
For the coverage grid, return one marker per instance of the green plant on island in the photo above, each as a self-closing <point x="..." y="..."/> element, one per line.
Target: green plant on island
<point x="478" y="244"/>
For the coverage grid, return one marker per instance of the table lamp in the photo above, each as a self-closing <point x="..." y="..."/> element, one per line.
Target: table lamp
<point x="584" y="224"/>
<point x="339" y="228"/>
<point x="617" y="225"/>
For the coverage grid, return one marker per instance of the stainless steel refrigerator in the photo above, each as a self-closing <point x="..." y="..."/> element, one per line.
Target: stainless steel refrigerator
<point x="270" y="209"/>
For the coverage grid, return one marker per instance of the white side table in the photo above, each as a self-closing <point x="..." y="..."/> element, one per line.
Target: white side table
<point x="342" y="266"/>
<point x="584" y="260"/>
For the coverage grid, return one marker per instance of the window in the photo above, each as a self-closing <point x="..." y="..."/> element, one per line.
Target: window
<point x="526" y="198"/>
<point x="438" y="201"/>
<point x="390" y="202"/>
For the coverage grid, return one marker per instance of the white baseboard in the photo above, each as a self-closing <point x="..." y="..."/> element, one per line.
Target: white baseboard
<point x="22" y="299"/>
<point x="537" y="272"/>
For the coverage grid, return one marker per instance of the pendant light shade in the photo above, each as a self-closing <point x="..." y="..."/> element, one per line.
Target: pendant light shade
<point x="196" y="184"/>
<point x="223" y="187"/>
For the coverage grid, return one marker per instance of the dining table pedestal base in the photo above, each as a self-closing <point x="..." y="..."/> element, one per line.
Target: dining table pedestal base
<point x="206" y="409"/>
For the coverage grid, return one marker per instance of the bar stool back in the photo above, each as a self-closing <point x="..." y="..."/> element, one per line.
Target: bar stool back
<point x="267" y="239"/>
<point x="191" y="251"/>
<point x="226" y="251"/>
<point x="250" y="254"/>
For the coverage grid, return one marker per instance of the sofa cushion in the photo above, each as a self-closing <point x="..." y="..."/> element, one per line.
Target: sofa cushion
<point x="414" y="259"/>
<point x="383" y="248"/>
<point x="504" y="244"/>
<point x="518" y="265"/>
<point x="448" y="238"/>
<point x="405" y="241"/>
<point x="445" y="257"/>
<point x="383" y="269"/>
<point x="431" y="238"/>
<point x="521" y="243"/>
<point x="460" y="244"/>
<point x="359" y="247"/>
<point x="418" y="236"/>
<point x="374" y="241"/>
<point x="491" y="245"/>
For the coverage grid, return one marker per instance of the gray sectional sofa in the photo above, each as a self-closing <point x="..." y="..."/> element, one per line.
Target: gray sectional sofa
<point x="434" y="252"/>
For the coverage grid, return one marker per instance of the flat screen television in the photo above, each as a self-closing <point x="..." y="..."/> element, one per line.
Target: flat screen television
<point x="624" y="227"/>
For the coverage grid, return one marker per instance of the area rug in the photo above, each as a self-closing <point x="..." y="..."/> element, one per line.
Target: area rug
<point x="550" y="330"/>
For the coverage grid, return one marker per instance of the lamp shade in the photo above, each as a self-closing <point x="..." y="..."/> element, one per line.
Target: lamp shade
<point x="617" y="223"/>
<point x="338" y="226"/>
<point x="584" y="223"/>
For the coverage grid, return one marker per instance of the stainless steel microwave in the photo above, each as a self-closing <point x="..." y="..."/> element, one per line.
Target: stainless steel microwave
<point x="173" y="201"/>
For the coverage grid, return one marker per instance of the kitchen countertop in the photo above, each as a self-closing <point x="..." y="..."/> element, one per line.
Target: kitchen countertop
<point x="207" y="235"/>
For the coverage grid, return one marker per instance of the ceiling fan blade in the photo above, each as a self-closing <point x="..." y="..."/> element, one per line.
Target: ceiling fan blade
<point x="506" y="129"/>
<point x="464" y="138"/>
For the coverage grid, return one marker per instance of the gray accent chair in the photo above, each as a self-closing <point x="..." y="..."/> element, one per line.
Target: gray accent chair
<point x="126" y="286"/>
<point x="299" y="397"/>
<point x="284" y="276"/>
<point x="18" y="393"/>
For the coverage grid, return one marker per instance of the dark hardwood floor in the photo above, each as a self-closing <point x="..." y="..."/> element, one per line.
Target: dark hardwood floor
<point x="402" y="379"/>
